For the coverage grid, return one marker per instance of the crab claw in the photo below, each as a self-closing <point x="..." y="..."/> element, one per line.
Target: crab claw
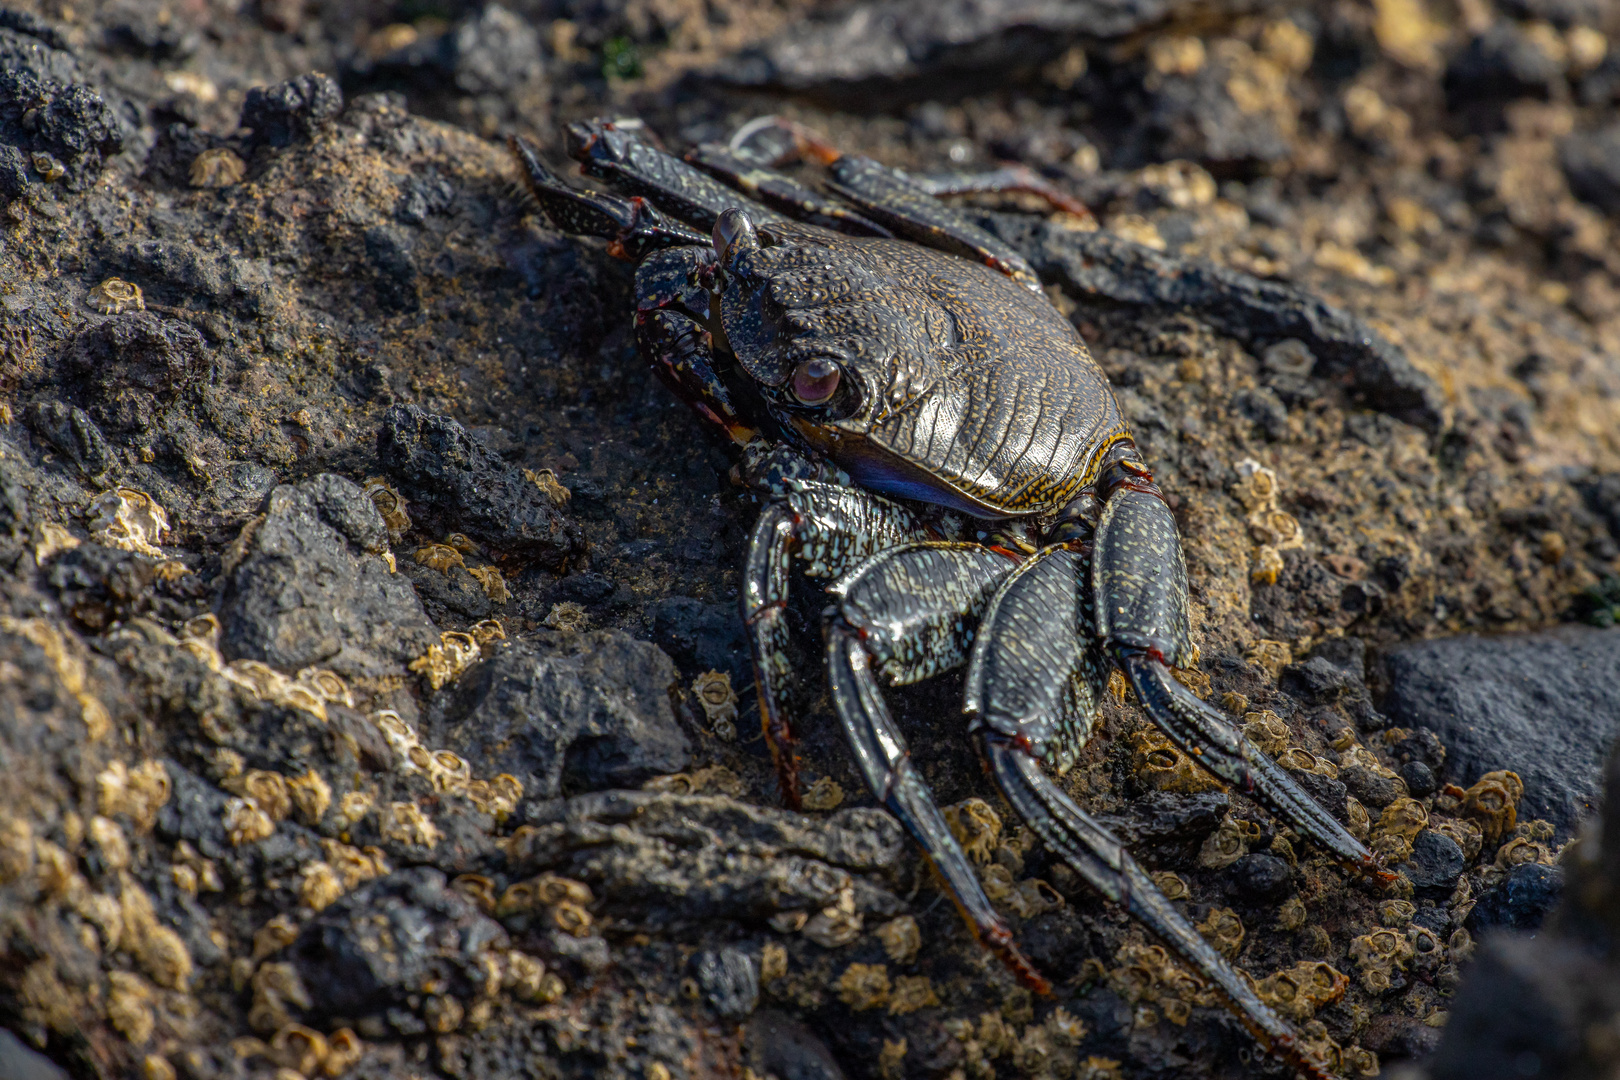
<point x="733" y="232"/>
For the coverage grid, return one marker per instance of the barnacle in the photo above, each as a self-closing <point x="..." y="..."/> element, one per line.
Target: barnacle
<point x="352" y="807"/>
<point x="217" y="168"/>
<point x="547" y="481"/>
<point x="1269" y="656"/>
<point x="493" y="584"/>
<point x="570" y="918"/>
<point x="825" y="794"/>
<point x="1493" y="802"/>
<point x="1378" y="956"/>
<point x="1359" y="823"/>
<point x="1397" y="827"/>
<point x="864" y="986"/>
<point x="49" y="168"/>
<point x="328" y="684"/>
<point x="448" y="772"/>
<point x="1427" y="952"/>
<point x="975" y="826"/>
<point x="246" y="823"/>
<point x="129" y="1006"/>
<point x="301" y="1049"/>
<point x="276" y="986"/>
<point x="454" y="653"/>
<point x="319" y="885"/>
<point x="1396" y="913"/>
<point x="391" y="505"/>
<point x="139" y="792"/>
<point x="567" y="616"/>
<point x="129" y="520"/>
<point x="837" y="924"/>
<point x="718" y="701"/>
<point x="1223" y="847"/>
<point x="1465" y="834"/>
<point x="479" y="888"/>
<point x="1521" y="850"/>
<point x="440" y="557"/>
<point x="406" y="824"/>
<point x="1298" y="992"/>
<point x="1161" y="766"/>
<point x="1296" y="757"/>
<point x="485" y="631"/>
<point x="901" y="939"/>
<point x="110" y="842"/>
<point x="1267" y="566"/>
<point x="353" y="865"/>
<point x="273" y="936"/>
<point x="115" y="296"/>
<point x="1223" y="929"/>
<point x="1170" y="884"/>
<point x="1267" y="731"/>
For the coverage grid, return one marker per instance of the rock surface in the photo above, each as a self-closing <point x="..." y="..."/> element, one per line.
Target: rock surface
<point x="358" y="587"/>
<point x="1549" y="703"/>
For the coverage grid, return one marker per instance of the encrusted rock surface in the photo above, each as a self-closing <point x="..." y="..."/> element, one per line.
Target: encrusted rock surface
<point x="372" y="697"/>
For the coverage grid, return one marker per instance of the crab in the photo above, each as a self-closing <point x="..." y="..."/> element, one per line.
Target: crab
<point x="932" y="437"/>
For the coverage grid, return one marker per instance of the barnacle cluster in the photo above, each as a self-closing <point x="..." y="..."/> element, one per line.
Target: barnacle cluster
<point x="1300" y="991"/>
<point x="714" y="694"/>
<point x="455" y="652"/>
<point x="452" y="554"/>
<point x="446" y="771"/>
<point x="391" y="505"/>
<point x="1047" y="1049"/>
<point x="65" y="657"/>
<point x="1272" y="530"/>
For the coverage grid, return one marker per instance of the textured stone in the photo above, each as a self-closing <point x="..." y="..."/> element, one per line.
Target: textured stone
<point x="1546" y="705"/>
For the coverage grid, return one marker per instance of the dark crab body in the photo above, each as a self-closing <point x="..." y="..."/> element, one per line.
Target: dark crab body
<point x="892" y="372"/>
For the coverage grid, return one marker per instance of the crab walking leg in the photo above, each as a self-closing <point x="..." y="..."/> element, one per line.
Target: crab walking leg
<point x="1098" y="856"/>
<point x="634" y="226"/>
<point x="831" y="528"/>
<point x="907" y="615"/>
<point x="1139" y="578"/>
<point x="1032" y="690"/>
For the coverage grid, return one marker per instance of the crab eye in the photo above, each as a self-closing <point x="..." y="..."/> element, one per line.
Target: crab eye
<point x="733" y="231"/>
<point x="814" y="381"/>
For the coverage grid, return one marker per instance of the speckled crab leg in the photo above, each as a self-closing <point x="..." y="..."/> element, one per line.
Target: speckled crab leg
<point x="1032" y="690"/>
<point x="1098" y="856"/>
<point x="908" y="614"/>
<point x="1139" y="580"/>
<point x="633" y="226"/>
<point x="830" y="528"/>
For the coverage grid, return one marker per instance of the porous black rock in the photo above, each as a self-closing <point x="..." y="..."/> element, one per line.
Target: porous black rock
<point x="282" y="114"/>
<point x="1435" y="865"/>
<point x="448" y="473"/>
<point x="1258" y="877"/>
<point x="1373" y="790"/>
<point x="1548" y="704"/>
<point x="1519" y="1012"/>
<point x="1419" y="779"/>
<point x="376" y="948"/>
<point x="71" y="430"/>
<point x="1591" y="161"/>
<point x="573" y="714"/>
<point x="1392" y="1036"/>
<point x="127" y="366"/>
<point x="703" y="637"/>
<point x="779" y="1045"/>
<point x="861" y="48"/>
<point x="1100" y="265"/>
<point x="1169" y="826"/>
<point x="1520" y="901"/>
<point x="729" y="981"/>
<point x="1502" y="62"/>
<point x="309" y="586"/>
<point x="45" y="108"/>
